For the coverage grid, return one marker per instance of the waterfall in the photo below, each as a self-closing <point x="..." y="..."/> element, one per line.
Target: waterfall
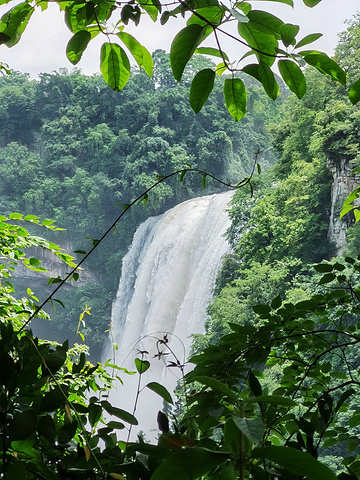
<point x="167" y="282"/>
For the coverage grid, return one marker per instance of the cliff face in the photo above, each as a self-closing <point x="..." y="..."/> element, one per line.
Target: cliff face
<point x="54" y="266"/>
<point x="343" y="184"/>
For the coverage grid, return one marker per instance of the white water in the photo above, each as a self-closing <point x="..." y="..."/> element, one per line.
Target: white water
<point x="167" y="281"/>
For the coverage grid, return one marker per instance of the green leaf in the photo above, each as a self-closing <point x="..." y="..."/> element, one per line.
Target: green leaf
<point x="203" y="181"/>
<point x="252" y="428"/>
<point x="216" y="385"/>
<point x="141" y="365"/>
<point x="188" y="464"/>
<point x="323" y="267"/>
<point x="268" y="81"/>
<point x="152" y="8"/>
<point x="329" y="277"/>
<point x="160" y="390"/>
<point x="116" y="425"/>
<point x="22" y="425"/>
<point x="200" y="89"/>
<point x="254" y="384"/>
<point x="354" y="93"/>
<point x="118" y="412"/>
<point x="114" y="66"/>
<point x="235" y="97"/>
<point x="276" y="302"/>
<point x="67" y="432"/>
<point x="296" y="461"/>
<point x="265" y="22"/>
<point x="263" y="44"/>
<point x="308" y="39"/>
<point x="253" y="70"/>
<point x="140" y="53"/>
<point x="183" y="47"/>
<point x="272" y="399"/>
<point x="325" y="65"/>
<point x="214" y="52"/>
<point x="214" y="15"/>
<point x="15" y="216"/>
<point x="14" y="22"/>
<point x="95" y="412"/>
<point x="77" y="45"/>
<point x="311" y="3"/>
<point x="293" y="77"/>
<point x="288" y="33"/>
<point x="34" y="261"/>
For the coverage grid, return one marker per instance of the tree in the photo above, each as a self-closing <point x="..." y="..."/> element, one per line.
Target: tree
<point x="269" y="40"/>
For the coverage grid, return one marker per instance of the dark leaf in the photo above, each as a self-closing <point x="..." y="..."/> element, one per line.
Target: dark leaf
<point x="296" y="461"/>
<point x="200" y="89"/>
<point x="183" y="47"/>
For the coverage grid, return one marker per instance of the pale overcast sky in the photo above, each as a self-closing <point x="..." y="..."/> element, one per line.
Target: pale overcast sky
<point x="42" y="46"/>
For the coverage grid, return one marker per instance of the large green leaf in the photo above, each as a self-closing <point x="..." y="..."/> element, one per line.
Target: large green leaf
<point x="308" y="39"/>
<point x="183" y="47"/>
<point x="265" y="22"/>
<point x="77" y="45"/>
<point x="216" y="385"/>
<point x="114" y="66"/>
<point x="67" y="432"/>
<point x="268" y="81"/>
<point x="288" y="33"/>
<point x="200" y="89"/>
<point x="118" y="412"/>
<point x="325" y="65"/>
<point x="14" y="22"/>
<point x="252" y="428"/>
<point x="140" y="53"/>
<point x="188" y="464"/>
<point x="160" y="390"/>
<point x="214" y="15"/>
<point x="263" y="44"/>
<point x="293" y="77"/>
<point x="212" y="51"/>
<point x="235" y="97"/>
<point x="300" y="463"/>
<point x="152" y="8"/>
<point x="354" y="93"/>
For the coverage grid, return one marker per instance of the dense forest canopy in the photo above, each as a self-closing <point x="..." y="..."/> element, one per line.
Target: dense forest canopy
<point x="75" y="151"/>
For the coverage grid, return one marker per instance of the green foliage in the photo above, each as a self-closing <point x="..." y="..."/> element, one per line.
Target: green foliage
<point x="73" y="150"/>
<point x="265" y="36"/>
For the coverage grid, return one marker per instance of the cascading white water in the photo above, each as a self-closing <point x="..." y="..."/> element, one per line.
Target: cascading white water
<point x="167" y="282"/>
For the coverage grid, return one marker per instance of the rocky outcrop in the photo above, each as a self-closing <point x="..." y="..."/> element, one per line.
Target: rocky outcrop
<point x="343" y="184"/>
<point x="54" y="266"/>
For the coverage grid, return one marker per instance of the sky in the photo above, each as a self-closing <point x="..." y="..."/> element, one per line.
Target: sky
<point x="43" y="44"/>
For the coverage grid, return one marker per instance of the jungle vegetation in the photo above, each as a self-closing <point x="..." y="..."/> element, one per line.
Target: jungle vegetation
<point x="274" y="391"/>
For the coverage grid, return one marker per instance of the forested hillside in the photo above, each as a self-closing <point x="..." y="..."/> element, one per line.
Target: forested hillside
<point x="74" y="151"/>
<point x="280" y="231"/>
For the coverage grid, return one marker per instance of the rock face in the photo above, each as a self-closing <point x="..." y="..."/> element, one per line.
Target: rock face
<point x="344" y="183"/>
<point x="54" y="266"/>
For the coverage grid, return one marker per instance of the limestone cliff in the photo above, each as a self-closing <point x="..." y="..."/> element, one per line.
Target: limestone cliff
<point x="343" y="184"/>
